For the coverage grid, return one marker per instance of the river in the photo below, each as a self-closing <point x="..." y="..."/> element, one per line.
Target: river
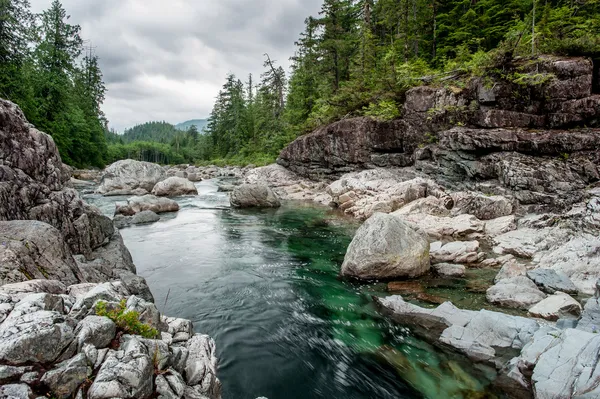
<point x="264" y="284"/>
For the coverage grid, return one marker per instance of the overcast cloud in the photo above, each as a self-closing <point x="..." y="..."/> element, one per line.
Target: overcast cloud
<point x="167" y="59"/>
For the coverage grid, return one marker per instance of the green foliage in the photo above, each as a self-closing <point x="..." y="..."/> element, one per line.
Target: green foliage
<point x="383" y="110"/>
<point x="41" y="69"/>
<point x="126" y="321"/>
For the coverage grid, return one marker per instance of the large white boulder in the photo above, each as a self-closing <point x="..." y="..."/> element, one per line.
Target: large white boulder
<point x="254" y="196"/>
<point x="387" y="247"/>
<point x="129" y="177"/>
<point x="174" y="187"/>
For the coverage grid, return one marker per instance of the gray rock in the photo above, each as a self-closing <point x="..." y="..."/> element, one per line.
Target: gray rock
<point x="201" y="366"/>
<point x="35" y="250"/>
<point x="511" y="269"/>
<point x="254" y="196"/>
<point x="556" y="306"/>
<point x="66" y="377"/>
<point x="483" y="336"/>
<point x="551" y="281"/>
<point x="516" y="292"/>
<point x="108" y="292"/>
<point x="450" y="270"/>
<point x="180" y="329"/>
<point x="567" y="366"/>
<point x="39" y="337"/>
<point x="147" y="203"/>
<point x="174" y="187"/>
<point x="129" y="177"/>
<point x="462" y="227"/>
<point x="460" y="252"/>
<point x="386" y="247"/>
<point x="15" y="391"/>
<point x="499" y="226"/>
<point x="576" y="255"/>
<point x="126" y="373"/>
<point x="147" y="311"/>
<point x="170" y="385"/>
<point x="143" y="217"/>
<point x="18" y="291"/>
<point x="481" y="206"/>
<point x="11" y="373"/>
<point x="95" y="330"/>
<point x="590" y="318"/>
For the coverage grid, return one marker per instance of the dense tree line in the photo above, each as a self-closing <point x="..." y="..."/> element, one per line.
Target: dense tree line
<point x="45" y="68"/>
<point x="158" y="142"/>
<point x="358" y="57"/>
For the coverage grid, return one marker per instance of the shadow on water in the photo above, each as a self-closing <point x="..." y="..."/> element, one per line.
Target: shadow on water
<point x="264" y="284"/>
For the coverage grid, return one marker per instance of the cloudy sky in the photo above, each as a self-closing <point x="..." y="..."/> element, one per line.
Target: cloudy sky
<point x="167" y="59"/>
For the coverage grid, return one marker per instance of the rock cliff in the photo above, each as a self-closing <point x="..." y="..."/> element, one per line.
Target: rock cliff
<point x="532" y="136"/>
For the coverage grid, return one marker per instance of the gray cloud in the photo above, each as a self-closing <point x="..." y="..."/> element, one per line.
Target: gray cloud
<point x="166" y="60"/>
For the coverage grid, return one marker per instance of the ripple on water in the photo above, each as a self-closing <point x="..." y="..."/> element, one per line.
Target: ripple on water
<point x="264" y="284"/>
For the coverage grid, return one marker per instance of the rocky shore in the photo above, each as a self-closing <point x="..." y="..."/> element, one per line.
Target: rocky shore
<point x="61" y="264"/>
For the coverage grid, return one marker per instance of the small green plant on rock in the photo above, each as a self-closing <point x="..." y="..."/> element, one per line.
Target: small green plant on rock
<point x="127" y="321"/>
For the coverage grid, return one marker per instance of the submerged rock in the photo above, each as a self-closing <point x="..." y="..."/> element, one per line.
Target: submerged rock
<point x="386" y="247"/>
<point x="254" y="196"/>
<point x="129" y="177"/>
<point x="174" y="187"/>
<point x="144" y="217"/>
<point x="482" y="336"/>
<point x="152" y="203"/>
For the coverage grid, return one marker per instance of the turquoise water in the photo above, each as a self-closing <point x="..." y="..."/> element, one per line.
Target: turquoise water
<point x="264" y="284"/>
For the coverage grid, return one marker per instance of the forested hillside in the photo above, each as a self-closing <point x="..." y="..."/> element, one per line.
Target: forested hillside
<point x="356" y="57"/>
<point x="55" y="79"/>
<point x="360" y="57"/>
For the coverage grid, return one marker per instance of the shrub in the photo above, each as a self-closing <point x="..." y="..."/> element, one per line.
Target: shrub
<point x="127" y="321"/>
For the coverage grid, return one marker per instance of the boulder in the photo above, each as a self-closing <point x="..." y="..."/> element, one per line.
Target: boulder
<point x="566" y="365"/>
<point x="129" y="177"/>
<point x="38" y="337"/>
<point x="510" y="269"/>
<point x="483" y="336"/>
<point x="94" y="330"/>
<point x="462" y="227"/>
<point x="450" y="270"/>
<point x="590" y="318"/>
<point x="144" y="217"/>
<point x="559" y="305"/>
<point x="35" y="250"/>
<point x="254" y="196"/>
<point x="551" y="281"/>
<point x="481" y="206"/>
<point x="516" y="292"/>
<point x="127" y="373"/>
<point x="66" y="377"/>
<point x="386" y="247"/>
<point x="152" y="203"/>
<point x="174" y="187"/>
<point x="15" y="391"/>
<point x="201" y="366"/>
<point x="577" y="256"/>
<point x="460" y="252"/>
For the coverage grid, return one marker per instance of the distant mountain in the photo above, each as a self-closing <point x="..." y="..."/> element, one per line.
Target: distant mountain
<point x="200" y="124"/>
